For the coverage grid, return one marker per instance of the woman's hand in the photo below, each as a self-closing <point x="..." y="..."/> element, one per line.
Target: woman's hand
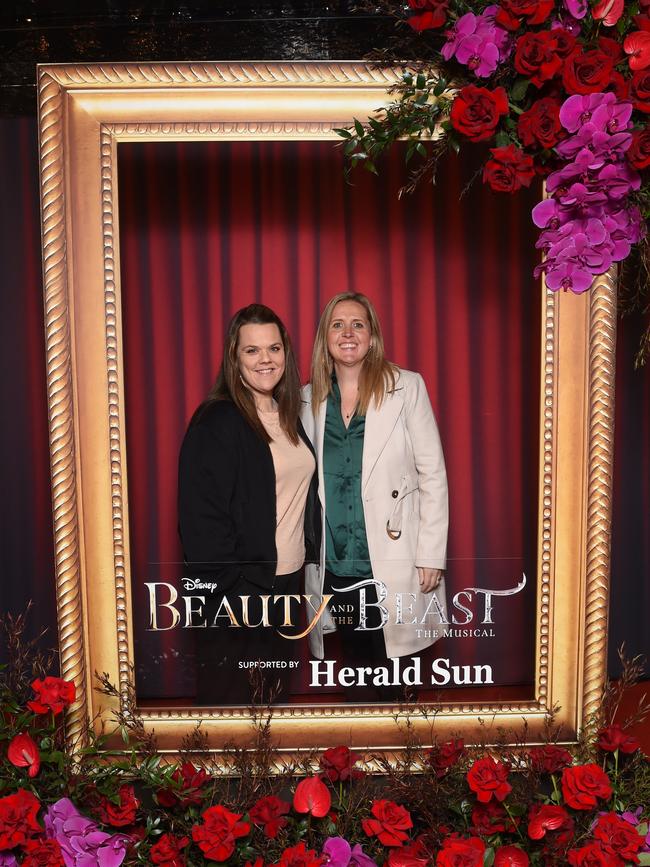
<point x="429" y="578"/>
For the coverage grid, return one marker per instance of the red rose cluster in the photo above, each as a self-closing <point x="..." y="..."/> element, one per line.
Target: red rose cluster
<point x="515" y="64"/>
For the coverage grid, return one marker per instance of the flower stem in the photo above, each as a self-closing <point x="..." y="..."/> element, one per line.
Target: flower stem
<point x="512" y="819"/>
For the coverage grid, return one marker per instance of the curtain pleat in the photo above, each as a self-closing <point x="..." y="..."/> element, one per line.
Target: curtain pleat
<point x="220" y="225"/>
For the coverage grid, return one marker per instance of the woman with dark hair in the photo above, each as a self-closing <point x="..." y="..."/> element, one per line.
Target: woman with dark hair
<point x="247" y="509"/>
<point x="383" y="488"/>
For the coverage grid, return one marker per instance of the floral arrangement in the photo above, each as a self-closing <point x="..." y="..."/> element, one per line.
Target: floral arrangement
<point x="445" y="805"/>
<point x="558" y="89"/>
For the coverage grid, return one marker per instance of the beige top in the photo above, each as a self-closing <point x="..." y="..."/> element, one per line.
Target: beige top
<point x="294" y="466"/>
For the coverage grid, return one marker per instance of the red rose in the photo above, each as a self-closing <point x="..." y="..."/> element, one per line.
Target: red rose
<point x="548" y="817"/>
<point x="168" y="851"/>
<point x="299" y="856"/>
<point x="612" y="47"/>
<point x="461" y="853"/>
<point x="414" y="854"/>
<point x="620" y="86"/>
<point x="540" y="125"/>
<point x="43" y="853"/>
<point x="614" y="738"/>
<point x="588" y="71"/>
<point x="512" y="12"/>
<point x="476" y="111"/>
<point x="618" y="837"/>
<point x="488" y="778"/>
<point x="390" y="823"/>
<point x="444" y="756"/>
<point x="591" y="855"/>
<point x="121" y="814"/>
<point x="430" y="14"/>
<point x="52" y="694"/>
<point x="269" y="812"/>
<point x="217" y="836"/>
<point x="640" y="90"/>
<point x="490" y="818"/>
<point x="510" y="856"/>
<point x="23" y="753"/>
<point x="338" y="764"/>
<point x="583" y="785"/>
<point x="549" y="759"/>
<point x="565" y="42"/>
<point x="312" y="796"/>
<point x="18" y="819"/>
<point x="509" y="169"/>
<point x="536" y="56"/>
<point x="187" y="793"/>
<point x="638" y="154"/>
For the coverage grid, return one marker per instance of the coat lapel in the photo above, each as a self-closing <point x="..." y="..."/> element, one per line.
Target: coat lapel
<point x="379" y="427"/>
<point x="319" y="436"/>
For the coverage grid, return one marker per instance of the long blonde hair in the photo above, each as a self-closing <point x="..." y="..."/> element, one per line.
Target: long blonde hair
<point x="377" y="375"/>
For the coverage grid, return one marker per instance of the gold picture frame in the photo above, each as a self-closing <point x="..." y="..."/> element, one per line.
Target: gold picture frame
<point x="84" y="112"/>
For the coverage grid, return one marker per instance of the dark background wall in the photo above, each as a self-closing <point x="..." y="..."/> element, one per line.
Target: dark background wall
<point x="58" y="31"/>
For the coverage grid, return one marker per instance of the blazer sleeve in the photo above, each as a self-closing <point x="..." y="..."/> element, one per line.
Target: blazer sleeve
<point x="431" y="551"/>
<point x="206" y="484"/>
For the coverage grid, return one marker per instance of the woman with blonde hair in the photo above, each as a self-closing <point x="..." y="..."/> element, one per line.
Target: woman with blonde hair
<point x="383" y="489"/>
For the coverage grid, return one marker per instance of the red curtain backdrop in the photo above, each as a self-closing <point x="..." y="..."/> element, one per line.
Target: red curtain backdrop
<point x="209" y="227"/>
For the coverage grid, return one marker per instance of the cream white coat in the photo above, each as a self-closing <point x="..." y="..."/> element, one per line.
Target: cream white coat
<point x="404" y="489"/>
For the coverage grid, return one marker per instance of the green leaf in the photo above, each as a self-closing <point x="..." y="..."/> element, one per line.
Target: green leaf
<point x="344" y="133"/>
<point x="488" y="857"/>
<point x="371" y="167"/>
<point x="420" y="82"/>
<point x="359" y="128"/>
<point x="421" y="149"/>
<point x="519" y="89"/>
<point x="440" y="87"/>
<point x="502" y="139"/>
<point x="644" y="858"/>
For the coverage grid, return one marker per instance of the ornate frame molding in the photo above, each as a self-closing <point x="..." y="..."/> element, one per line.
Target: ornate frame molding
<point x="84" y="112"/>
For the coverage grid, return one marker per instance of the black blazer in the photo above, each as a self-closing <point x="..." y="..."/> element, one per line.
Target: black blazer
<point x="227" y="501"/>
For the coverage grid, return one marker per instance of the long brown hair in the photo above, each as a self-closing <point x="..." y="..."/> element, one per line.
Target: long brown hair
<point x="230" y="386"/>
<point x="377" y="375"/>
